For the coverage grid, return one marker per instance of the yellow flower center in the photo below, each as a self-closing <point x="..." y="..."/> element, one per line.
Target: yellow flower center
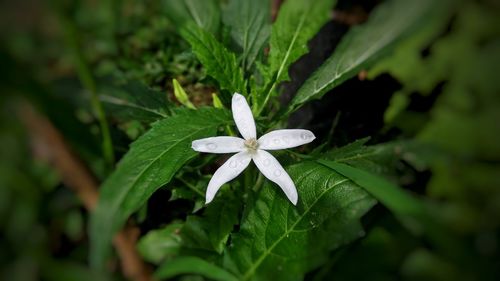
<point x="252" y="144"/>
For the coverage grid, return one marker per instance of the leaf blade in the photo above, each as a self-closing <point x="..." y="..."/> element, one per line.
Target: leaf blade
<point x="203" y="13"/>
<point x="133" y="101"/>
<point x="297" y="22"/>
<point x="150" y="163"/>
<point x="193" y="265"/>
<point x="250" y="27"/>
<point x="396" y="199"/>
<point x="391" y="22"/>
<point x="218" y="61"/>
<point x="291" y="235"/>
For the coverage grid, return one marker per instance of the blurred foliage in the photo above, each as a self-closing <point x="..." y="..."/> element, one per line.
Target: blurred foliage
<point x="441" y="141"/>
<point x="461" y="64"/>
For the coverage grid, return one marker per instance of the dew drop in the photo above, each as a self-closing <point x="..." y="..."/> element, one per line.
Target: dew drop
<point x="277" y="173"/>
<point x="211" y="146"/>
<point x="286" y="139"/>
<point x="233" y="164"/>
<point x="276" y="141"/>
<point x="267" y="162"/>
<point x="304" y="136"/>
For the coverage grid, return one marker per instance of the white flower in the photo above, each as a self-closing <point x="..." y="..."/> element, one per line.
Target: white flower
<point x="250" y="148"/>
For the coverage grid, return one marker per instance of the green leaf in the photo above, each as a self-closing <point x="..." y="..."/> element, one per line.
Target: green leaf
<point x="416" y="215"/>
<point x="250" y="27"/>
<point x="392" y="196"/>
<point x="298" y="21"/>
<point x="203" y="13"/>
<point x="279" y="241"/>
<point x="379" y="159"/>
<point x="388" y="24"/>
<point x="193" y="265"/>
<point x="133" y="101"/>
<point x="211" y="231"/>
<point x="159" y="244"/>
<point x="150" y="163"/>
<point x="218" y="61"/>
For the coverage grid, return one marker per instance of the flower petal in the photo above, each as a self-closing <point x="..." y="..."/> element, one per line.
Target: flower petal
<point x="271" y="169"/>
<point x="242" y="115"/>
<point x="219" y="145"/>
<point x="281" y="139"/>
<point x="228" y="171"/>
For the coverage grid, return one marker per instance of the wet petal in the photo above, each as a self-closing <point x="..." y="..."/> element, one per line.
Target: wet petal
<point x="228" y="171"/>
<point x="281" y="139"/>
<point x="242" y="115"/>
<point x="272" y="169"/>
<point x="218" y="145"/>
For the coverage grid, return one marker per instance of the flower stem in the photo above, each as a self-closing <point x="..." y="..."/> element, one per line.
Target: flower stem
<point x="258" y="184"/>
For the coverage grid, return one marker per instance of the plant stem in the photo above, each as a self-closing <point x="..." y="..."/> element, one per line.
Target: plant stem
<point x="248" y="178"/>
<point x="258" y="184"/>
<point x="260" y="107"/>
<point x="88" y="82"/>
<point x="190" y="186"/>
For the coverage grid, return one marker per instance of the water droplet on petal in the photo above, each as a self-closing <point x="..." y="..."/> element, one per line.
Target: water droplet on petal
<point x="267" y="162"/>
<point x="211" y="146"/>
<point x="276" y="141"/>
<point x="304" y="136"/>
<point x="233" y="164"/>
<point x="286" y="139"/>
<point x="277" y="173"/>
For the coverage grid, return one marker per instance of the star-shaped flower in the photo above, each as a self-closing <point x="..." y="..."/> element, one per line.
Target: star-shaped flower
<point x="250" y="148"/>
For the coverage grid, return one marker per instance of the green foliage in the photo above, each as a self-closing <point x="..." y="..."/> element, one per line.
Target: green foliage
<point x="298" y="21"/>
<point x="210" y="231"/>
<point x="407" y="64"/>
<point x="218" y="61"/>
<point x="388" y="24"/>
<point x="134" y="102"/>
<point x="161" y="244"/>
<point x="192" y="265"/>
<point x="150" y="163"/>
<point x="432" y="162"/>
<point x="463" y="121"/>
<point x="391" y="196"/>
<point x="60" y="271"/>
<point x="281" y="242"/>
<point x="181" y="95"/>
<point x="203" y="13"/>
<point x="379" y="159"/>
<point x="250" y="27"/>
